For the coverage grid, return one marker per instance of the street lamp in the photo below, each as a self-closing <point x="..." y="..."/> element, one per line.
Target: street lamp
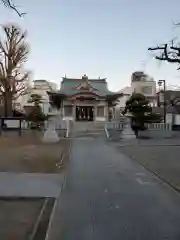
<point x="160" y="83"/>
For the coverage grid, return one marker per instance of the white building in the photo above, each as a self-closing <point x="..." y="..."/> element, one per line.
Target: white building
<point x="39" y="87"/>
<point x="126" y="92"/>
<point x="140" y="83"/>
<point x="144" y="84"/>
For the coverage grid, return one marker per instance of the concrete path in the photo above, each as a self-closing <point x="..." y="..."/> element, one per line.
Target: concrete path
<point x="108" y="196"/>
<point x="30" y="185"/>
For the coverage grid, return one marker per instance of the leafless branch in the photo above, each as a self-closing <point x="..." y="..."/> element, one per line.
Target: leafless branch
<point x="168" y="52"/>
<point x="11" y="5"/>
<point x="13" y="54"/>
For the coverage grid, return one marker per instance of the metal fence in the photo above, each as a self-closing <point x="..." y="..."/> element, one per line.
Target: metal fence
<point x="159" y="126"/>
<point x="119" y="129"/>
<point x="115" y="125"/>
<point x="150" y="126"/>
<point x="20" y="124"/>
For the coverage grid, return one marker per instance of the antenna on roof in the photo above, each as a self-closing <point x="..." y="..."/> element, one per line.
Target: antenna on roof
<point x="65" y="76"/>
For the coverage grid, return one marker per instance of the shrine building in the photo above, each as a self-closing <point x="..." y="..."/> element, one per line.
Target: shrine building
<point x="83" y="99"/>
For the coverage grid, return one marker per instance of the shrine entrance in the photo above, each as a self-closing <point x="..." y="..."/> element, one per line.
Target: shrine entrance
<point x="84" y="113"/>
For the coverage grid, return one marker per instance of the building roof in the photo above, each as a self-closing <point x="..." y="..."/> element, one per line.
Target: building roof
<point x="170" y="94"/>
<point x="72" y="86"/>
<point x="141" y="76"/>
<point x="126" y="90"/>
<point x="40" y="80"/>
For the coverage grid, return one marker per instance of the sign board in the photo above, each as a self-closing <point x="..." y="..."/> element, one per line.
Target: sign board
<point x="12" y="123"/>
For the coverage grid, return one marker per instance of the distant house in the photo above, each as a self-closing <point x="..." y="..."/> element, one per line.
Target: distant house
<point x="124" y="95"/>
<point x="169" y="96"/>
<point x="172" y="114"/>
<point x="40" y="87"/>
<point x="16" y="112"/>
<point x="140" y="83"/>
<point x="172" y="111"/>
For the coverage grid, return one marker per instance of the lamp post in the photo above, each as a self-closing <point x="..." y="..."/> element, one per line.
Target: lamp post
<point x="160" y="83"/>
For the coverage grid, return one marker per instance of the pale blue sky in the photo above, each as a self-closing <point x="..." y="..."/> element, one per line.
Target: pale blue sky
<point x="106" y="38"/>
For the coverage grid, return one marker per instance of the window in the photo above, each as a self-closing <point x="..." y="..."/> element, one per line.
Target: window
<point x="100" y="111"/>
<point x="147" y="90"/>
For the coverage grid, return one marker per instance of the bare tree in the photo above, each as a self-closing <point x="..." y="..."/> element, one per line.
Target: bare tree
<point x="13" y="54"/>
<point x="168" y="52"/>
<point x="11" y="5"/>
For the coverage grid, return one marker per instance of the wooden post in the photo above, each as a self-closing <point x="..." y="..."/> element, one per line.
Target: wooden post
<point x="20" y="127"/>
<point x="0" y="126"/>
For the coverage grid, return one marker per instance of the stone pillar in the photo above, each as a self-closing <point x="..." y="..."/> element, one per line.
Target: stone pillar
<point x="63" y="112"/>
<point x="105" y="111"/>
<point x="95" y="111"/>
<point x="74" y="112"/>
<point x="61" y="109"/>
<point x="114" y="112"/>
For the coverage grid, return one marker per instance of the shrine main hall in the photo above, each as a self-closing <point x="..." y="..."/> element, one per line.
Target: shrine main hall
<point x="83" y="99"/>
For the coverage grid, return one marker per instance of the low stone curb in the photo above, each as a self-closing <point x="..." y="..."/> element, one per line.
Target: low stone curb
<point x="48" y="232"/>
<point x="38" y="220"/>
<point x="54" y="210"/>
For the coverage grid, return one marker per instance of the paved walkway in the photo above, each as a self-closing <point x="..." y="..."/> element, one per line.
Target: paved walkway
<point x="30" y="185"/>
<point x="108" y="196"/>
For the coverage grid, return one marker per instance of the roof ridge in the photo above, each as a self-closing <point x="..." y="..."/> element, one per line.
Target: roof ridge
<point x="89" y="79"/>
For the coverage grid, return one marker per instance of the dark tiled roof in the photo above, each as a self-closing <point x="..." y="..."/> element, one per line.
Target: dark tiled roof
<point x="99" y="86"/>
<point x="40" y="80"/>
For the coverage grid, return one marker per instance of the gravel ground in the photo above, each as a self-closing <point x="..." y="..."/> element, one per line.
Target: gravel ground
<point x="162" y="160"/>
<point x="28" y="154"/>
<point x="18" y="217"/>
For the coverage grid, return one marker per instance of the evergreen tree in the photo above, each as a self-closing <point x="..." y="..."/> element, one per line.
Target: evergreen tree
<point x="141" y="112"/>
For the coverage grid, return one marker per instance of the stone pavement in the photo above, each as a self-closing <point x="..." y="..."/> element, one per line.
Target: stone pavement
<point x="30" y="185"/>
<point x="145" y="142"/>
<point x="109" y="196"/>
<point x="161" y="158"/>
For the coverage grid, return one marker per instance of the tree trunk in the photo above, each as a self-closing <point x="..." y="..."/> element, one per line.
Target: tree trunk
<point x="8" y="104"/>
